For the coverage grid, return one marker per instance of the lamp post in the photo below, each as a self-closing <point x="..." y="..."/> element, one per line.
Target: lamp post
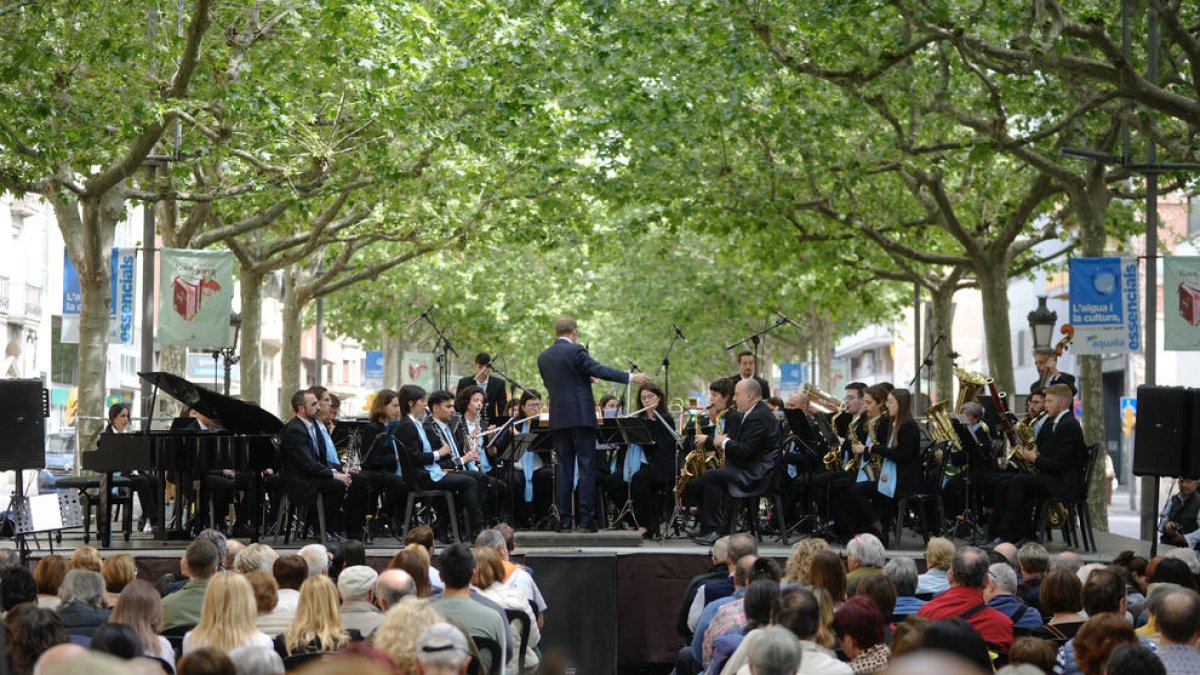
<point x="229" y="354"/>
<point x="1041" y="323"/>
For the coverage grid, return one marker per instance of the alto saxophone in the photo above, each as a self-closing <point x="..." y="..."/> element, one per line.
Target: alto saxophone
<point x="856" y="463"/>
<point x="832" y="459"/>
<point x="695" y="464"/>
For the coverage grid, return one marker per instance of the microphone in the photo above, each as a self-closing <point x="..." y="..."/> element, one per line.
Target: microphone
<point x="632" y="366"/>
<point x="418" y="319"/>
<point x="785" y="319"/>
<point x="679" y="333"/>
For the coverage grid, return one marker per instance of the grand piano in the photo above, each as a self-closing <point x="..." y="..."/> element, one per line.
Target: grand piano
<point x="248" y="440"/>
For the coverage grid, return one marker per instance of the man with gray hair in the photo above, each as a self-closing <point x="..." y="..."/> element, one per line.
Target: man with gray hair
<point x="515" y="576"/>
<point x="1000" y="591"/>
<point x="1067" y="560"/>
<point x="255" y="557"/>
<point x="317" y="557"/>
<point x="717" y="572"/>
<point x="391" y="587"/>
<point x="1178" y="622"/>
<point x="1032" y="562"/>
<point x="442" y="650"/>
<point x="865" y="557"/>
<point x="256" y="660"/>
<point x="356" y="584"/>
<point x="739" y="545"/>
<point x="82" y="596"/>
<point x="903" y="573"/>
<point x="775" y="652"/>
<point x="968" y="576"/>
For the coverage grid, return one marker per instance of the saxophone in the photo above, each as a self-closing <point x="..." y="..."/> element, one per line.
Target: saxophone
<point x="717" y="461"/>
<point x="832" y="459"/>
<point x="875" y="462"/>
<point x="695" y="464"/>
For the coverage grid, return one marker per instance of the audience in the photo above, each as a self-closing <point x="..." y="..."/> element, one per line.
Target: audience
<point x="1154" y="598"/>
<point x="938" y="553"/>
<point x="882" y="592"/>
<point x="414" y="559"/>
<point x="82" y="596"/>
<point x="760" y="598"/>
<point x="317" y="557"/>
<point x="456" y="603"/>
<point x="776" y="653"/>
<point x="442" y="649"/>
<point x="199" y="564"/>
<point x="956" y="636"/>
<point x="1034" y="651"/>
<point x="1032" y="562"/>
<point x="17" y="586"/>
<point x="1134" y="659"/>
<point x="226" y="617"/>
<point x="141" y="608"/>
<point x="402" y="625"/>
<point x="864" y="557"/>
<point x="1000" y="591"/>
<point x="116" y="639"/>
<point x="422" y="535"/>
<point x="317" y="627"/>
<point x="1061" y="600"/>
<point x="86" y="558"/>
<point x="1178" y="622"/>
<point x="515" y="576"/>
<point x="255" y="660"/>
<point x="356" y="584"/>
<point x="489" y="579"/>
<point x="1096" y="639"/>
<point x="717" y="571"/>
<point x="860" y="624"/>
<point x="799" y="563"/>
<point x="290" y="571"/>
<point x="391" y="587"/>
<point x="903" y="574"/>
<point x="968" y="574"/>
<point x="206" y="661"/>
<point x="31" y="631"/>
<point x="266" y="592"/>
<point x="48" y="575"/>
<point x="255" y="557"/>
<point x="118" y="570"/>
<point x="740" y="545"/>
<point x="828" y="574"/>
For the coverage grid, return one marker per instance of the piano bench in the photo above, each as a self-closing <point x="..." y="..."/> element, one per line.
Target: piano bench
<point x="87" y="499"/>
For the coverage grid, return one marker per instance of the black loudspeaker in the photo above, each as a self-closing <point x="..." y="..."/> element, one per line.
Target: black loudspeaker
<point x="581" y="593"/>
<point x="22" y="424"/>
<point x="1166" y="435"/>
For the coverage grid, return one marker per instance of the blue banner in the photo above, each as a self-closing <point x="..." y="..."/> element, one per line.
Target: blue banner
<point x="72" y="294"/>
<point x="791" y="377"/>
<point x="373" y="368"/>
<point x="1104" y="305"/>
<point x="124" y="292"/>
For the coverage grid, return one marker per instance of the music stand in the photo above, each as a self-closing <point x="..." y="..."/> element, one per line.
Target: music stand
<point x="631" y="430"/>
<point x="539" y="441"/>
<point x="812" y="433"/>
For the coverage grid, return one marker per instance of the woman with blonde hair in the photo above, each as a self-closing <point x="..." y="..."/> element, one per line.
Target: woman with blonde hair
<point x="414" y="559"/>
<point x="140" y="607"/>
<point x="48" y="576"/>
<point x="318" y="625"/>
<point x="226" y="617"/>
<point x="401" y="627"/>
<point x="117" y="571"/>
<point x="86" y="558"/>
<point x="800" y="562"/>
<point x="489" y="578"/>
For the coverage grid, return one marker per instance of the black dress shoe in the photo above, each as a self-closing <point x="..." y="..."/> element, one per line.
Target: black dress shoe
<point x="707" y="539"/>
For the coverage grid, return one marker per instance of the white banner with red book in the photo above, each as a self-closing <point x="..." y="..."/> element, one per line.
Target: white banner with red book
<point x="195" y="297"/>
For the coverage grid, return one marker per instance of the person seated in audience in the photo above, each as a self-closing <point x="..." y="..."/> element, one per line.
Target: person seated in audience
<point x="199" y="564"/>
<point x="1177" y="617"/>
<point x="171" y="582"/>
<point x="908" y="634"/>
<point x="317" y="557"/>
<point x="140" y="607"/>
<point x="255" y="557"/>
<point x="456" y="603"/>
<point x="938" y="553"/>
<point x="732" y="615"/>
<point x="16" y="586"/>
<point x="290" y="571"/>
<point x="423" y="535"/>
<point x="1062" y="601"/>
<point x="442" y="649"/>
<point x="392" y="586"/>
<point x="968" y="574"/>
<point x="48" y="575"/>
<point x="956" y="636"/>
<point x="32" y="631"/>
<point x="798" y="610"/>
<point x="1000" y="591"/>
<point x="206" y="661"/>
<point x="514" y="575"/>
<point x="266" y="592"/>
<point x="1008" y="551"/>
<point x="860" y="625"/>
<point x="775" y="652"/>
<point x="1066" y="560"/>
<point x="82" y="596"/>
<point x="865" y="556"/>
<point x="1134" y="659"/>
<point x="226" y="618"/>
<point x="828" y="574"/>
<point x="1037" y="652"/>
<point x="740" y="545"/>
<point x="760" y="597"/>
<point x="1104" y="592"/>
<point x="489" y="579"/>
<point x="1096" y="640"/>
<point x="255" y="660"/>
<point x="695" y="659"/>
<point x="356" y="585"/>
<point x="118" y="640"/>
<point x="402" y="625"/>
<point x="717" y="571"/>
<point x="800" y="561"/>
<point x="414" y="559"/>
<point x="117" y="571"/>
<point x="903" y="574"/>
<point x="1033" y="560"/>
<point x="317" y="627"/>
<point x="882" y="592"/>
<point x="86" y="558"/>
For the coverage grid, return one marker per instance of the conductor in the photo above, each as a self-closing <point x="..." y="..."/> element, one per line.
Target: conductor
<point x="566" y="370"/>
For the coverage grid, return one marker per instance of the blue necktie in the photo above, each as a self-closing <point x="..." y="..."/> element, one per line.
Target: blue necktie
<point x="435" y="472"/>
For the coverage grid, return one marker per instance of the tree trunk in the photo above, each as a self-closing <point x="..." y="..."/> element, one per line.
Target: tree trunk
<point x="942" y="305"/>
<point x="992" y="277"/>
<point x="293" y="325"/>
<point x="392" y="355"/>
<point x="250" y="349"/>
<point x="822" y="345"/>
<point x="1090" y="206"/>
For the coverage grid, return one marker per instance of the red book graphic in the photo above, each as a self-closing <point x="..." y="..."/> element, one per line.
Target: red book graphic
<point x="1189" y="303"/>
<point x="190" y="293"/>
<point x="415" y="370"/>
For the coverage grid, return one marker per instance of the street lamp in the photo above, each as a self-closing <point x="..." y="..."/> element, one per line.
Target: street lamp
<point x="1041" y="322"/>
<point x="228" y="354"/>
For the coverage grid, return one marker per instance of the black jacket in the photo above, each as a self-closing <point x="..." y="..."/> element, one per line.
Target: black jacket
<point x="1061" y="453"/>
<point x="752" y="450"/>
<point x="566" y="369"/>
<point x="762" y="384"/>
<point x="303" y="466"/>
<point x="906" y="454"/>
<point x="494" y="399"/>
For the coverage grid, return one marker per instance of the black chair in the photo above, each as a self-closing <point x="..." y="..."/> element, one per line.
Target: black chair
<point x="175" y="637"/>
<point x="286" y="512"/>
<point x="486" y="644"/>
<point x="120" y="502"/>
<point x="771" y="488"/>
<point x="918" y="504"/>
<point x="1077" y="528"/>
<point x="295" y="661"/>
<point x="522" y="620"/>
<point x="426" y="498"/>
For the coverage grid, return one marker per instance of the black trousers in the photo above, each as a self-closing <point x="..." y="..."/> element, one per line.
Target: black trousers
<point x="147" y="488"/>
<point x="715" y="500"/>
<point x="576" y="444"/>
<point x="465" y="489"/>
<point x="543" y="490"/>
<point x="1015" y="500"/>
<point x="642" y="488"/>
<point x="391" y="488"/>
<point x="331" y="492"/>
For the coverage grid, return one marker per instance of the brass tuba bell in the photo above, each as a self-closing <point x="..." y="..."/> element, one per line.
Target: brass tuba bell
<point x="970" y="383"/>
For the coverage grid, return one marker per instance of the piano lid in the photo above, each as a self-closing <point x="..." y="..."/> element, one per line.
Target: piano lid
<point x="237" y="416"/>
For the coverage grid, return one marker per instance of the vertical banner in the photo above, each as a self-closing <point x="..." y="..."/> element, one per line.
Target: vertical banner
<point x="1181" y="303"/>
<point x="72" y="300"/>
<point x="373" y="369"/>
<point x="791" y="377"/>
<point x="1104" y="305"/>
<point x="124" y="293"/>
<point x="417" y="368"/>
<point x="195" y="296"/>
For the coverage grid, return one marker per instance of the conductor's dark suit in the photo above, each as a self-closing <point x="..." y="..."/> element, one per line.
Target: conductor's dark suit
<point x="1061" y="455"/>
<point x="306" y="471"/>
<point x="566" y="370"/>
<point x="494" y="396"/>
<point x="751" y="451"/>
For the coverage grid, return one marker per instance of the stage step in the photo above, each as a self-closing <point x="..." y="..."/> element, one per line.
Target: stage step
<point x="601" y="539"/>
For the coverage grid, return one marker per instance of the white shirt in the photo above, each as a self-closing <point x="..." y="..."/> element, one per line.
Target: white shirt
<point x="256" y="640"/>
<point x="435" y="579"/>
<point x="1058" y="417"/>
<point x="523" y="581"/>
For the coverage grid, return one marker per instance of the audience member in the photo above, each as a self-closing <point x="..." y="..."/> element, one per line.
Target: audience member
<point x="1174" y="571"/>
<point x="827" y="573"/>
<point x="958" y="637"/>
<point x="1103" y="592"/>
<point x="31" y="631"/>
<point x="82" y="596"/>
<point x="353" y="553"/>
<point x="933" y="662"/>
<point x="423" y="536"/>
<point x="775" y="652"/>
<point x="199" y="564"/>
<point x="266" y="592"/>
<point x="800" y="561"/>
<point x="414" y="559"/>
<point x="317" y="557"/>
<point x="116" y="639"/>
<point x="255" y="557"/>
<point x="457" y="604"/>
<point x="86" y="558"/>
<point x="17" y="585"/>
<point x="1134" y="659"/>
<point x="317" y="627"/>
<point x="255" y="660"/>
<point x="402" y="625"/>
<point x="141" y="608"/>
<point x="206" y="661"/>
<point x="908" y="635"/>
<point x="1096" y="639"/>
<point x="701" y="647"/>
<point x="356" y="584"/>
<point x="515" y="576"/>
<point x="760" y="598"/>
<point x="226" y="617"/>
<point x="731" y="616"/>
<point x="442" y="649"/>
<point x="865" y="556"/>
<point x="1037" y="652"/>
<point x="1188" y="556"/>
<point x="1000" y="591"/>
<point x="1067" y="560"/>
<point x="717" y="571"/>
<point x="882" y="592"/>
<point x="1032" y="562"/>
<point x="489" y="579"/>
<point x="903" y="574"/>
<point x="117" y="571"/>
<point x="48" y="575"/>
<point x="289" y="571"/>
<point x="1062" y="601"/>
<point x="968" y="574"/>
<point x="1154" y="598"/>
<point x="232" y="548"/>
<point x="740" y="545"/>
<point x="391" y="587"/>
<point x="53" y="658"/>
<point x="1178" y="622"/>
<point x="1008" y="551"/>
<point x="938" y="553"/>
<point x="860" y="625"/>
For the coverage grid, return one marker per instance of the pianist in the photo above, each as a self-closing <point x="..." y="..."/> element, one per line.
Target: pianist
<point x="146" y="486"/>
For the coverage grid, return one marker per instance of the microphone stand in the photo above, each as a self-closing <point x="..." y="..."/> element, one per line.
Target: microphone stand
<point x="927" y="366"/>
<point x="665" y="366"/>
<point x="754" y="339"/>
<point x="441" y="348"/>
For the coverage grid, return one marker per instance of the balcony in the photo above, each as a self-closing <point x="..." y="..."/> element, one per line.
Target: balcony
<point x="25" y="207"/>
<point x="3" y="295"/>
<point x="33" y="302"/>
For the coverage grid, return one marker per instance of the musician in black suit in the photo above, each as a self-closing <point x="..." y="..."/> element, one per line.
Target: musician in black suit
<point x="426" y="451"/>
<point x="531" y="480"/>
<point x="1059" y="456"/>
<point x="897" y="438"/>
<point x="493" y="387"/>
<point x="463" y="460"/>
<point x="1048" y="374"/>
<point x="567" y="371"/>
<point x="645" y="472"/>
<point x="751" y="452"/>
<point x="380" y="462"/>
<point x="306" y="470"/>
<point x="467" y="427"/>
<point x="747" y="370"/>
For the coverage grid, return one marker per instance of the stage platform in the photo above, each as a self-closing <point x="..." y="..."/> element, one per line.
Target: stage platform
<point x="614" y="598"/>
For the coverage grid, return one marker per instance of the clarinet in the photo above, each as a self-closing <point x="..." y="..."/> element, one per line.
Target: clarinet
<point x="454" y="458"/>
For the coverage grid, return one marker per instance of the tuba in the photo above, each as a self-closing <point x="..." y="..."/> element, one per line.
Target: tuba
<point x="941" y="428"/>
<point x="970" y="383"/>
